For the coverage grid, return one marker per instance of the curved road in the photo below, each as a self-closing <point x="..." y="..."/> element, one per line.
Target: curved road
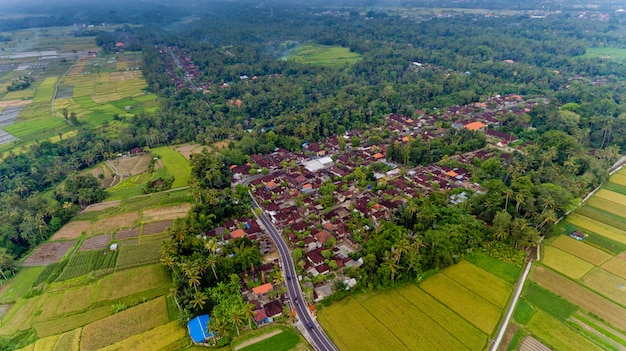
<point x="317" y="336"/>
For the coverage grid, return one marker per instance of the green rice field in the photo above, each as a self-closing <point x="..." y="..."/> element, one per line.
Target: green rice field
<point x="609" y="53"/>
<point x="453" y="313"/>
<point x="323" y="55"/>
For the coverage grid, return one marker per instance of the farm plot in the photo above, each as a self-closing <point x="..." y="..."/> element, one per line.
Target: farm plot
<point x="101" y="206"/>
<point x="581" y="250"/>
<point x="612" y="217"/>
<point x="82" y="263"/>
<point x="124" y="283"/>
<point x="156" y="227"/>
<point x="598" y="227"/>
<point x="111" y="224"/>
<point x="391" y="310"/>
<point x="478" y="311"/>
<point x="138" y="255"/>
<point x="506" y="271"/>
<point x="580" y="296"/>
<point x="69" y="322"/>
<point x="607" y="206"/>
<point x="323" y="55"/>
<point x="557" y="335"/>
<point x="611" y="196"/>
<point x="98" y="242"/>
<point x="441" y="315"/>
<point x="72" y="230"/>
<point x="176" y="164"/>
<point x="132" y="165"/>
<point x="124" y="324"/>
<point x="48" y="253"/>
<point x="166" y="213"/>
<point x="618" y="178"/>
<point x="565" y="263"/>
<point x="69" y="341"/>
<point x="548" y="302"/>
<point x="188" y="149"/>
<point x="607" y="284"/>
<point x="20" y="284"/>
<point x="158" y="338"/>
<point x="76" y="299"/>
<point x="352" y="327"/>
<point x="128" y="233"/>
<point x="480" y="282"/>
<point x="19" y="316"/>
<point x="617" y="266"/>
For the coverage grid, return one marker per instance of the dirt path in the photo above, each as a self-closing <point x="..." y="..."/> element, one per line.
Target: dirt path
<point x="257" y="339"/>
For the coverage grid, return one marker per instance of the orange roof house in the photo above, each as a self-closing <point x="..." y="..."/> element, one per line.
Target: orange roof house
<point x="452" y="174"/>
<point x="237" y="233"/>
<point x="475" y="126"/>
<point x="378" y="156"/>
<point x="405" y="139"/>
<point x="262" y="289"/>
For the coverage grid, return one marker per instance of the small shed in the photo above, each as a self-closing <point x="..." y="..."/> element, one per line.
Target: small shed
<point x="198" y="328"/>
<point x="578" y="235"/>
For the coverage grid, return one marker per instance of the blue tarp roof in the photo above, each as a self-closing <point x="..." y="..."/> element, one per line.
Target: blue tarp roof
<point x="198" y="328"/>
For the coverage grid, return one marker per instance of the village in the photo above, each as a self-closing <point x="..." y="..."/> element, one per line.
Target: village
<point x="321" y="201"/>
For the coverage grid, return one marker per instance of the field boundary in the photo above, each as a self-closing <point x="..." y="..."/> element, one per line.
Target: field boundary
<point x="258" y="339"/>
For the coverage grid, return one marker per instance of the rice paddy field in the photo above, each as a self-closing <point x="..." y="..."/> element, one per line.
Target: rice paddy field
<point x="607" y="53"/>
<point x="452" y="310"/>
<point x="576" y="296"/>
<point x="323" y="55"/>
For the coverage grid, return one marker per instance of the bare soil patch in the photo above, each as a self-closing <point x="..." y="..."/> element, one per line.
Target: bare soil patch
<point x="132" y="165"/>
<point x="11" y="103"/>
<point x="188" y="149"/>
<point x="3" y="310"/>
<point x="166" y="213"/>
<point x="99" y="242"/>
<point x="127" y="233"/>
<point x="79" y="66"/>
<point x="156" y="227"/>
<point x="48" y="253"/>
<point x="102" y="206"/>
<point x="221" y="144"/>
<point x="71" y="230"/>
<point x="508" y="336"/>
<point x="111" y="224"/>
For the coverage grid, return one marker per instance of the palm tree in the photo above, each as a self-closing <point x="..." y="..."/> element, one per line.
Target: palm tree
<point x="236" y="317"/>
<point x="199" y="299"/>
<point x="248" y="313"/>
<point x="219" y="325"/>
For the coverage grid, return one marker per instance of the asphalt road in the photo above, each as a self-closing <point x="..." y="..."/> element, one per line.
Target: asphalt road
<point x="317" y="336"/>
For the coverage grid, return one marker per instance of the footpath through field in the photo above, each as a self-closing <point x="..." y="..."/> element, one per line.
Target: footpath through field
<point x="257" y="339"/>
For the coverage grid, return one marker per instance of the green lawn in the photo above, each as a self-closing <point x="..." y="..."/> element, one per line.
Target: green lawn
<point x="284" y="341"/>
<point x="18" y="286"/>
<point x="609" y="53"/>
<point x="323" y="55"/>
<point x="177" y="165"/>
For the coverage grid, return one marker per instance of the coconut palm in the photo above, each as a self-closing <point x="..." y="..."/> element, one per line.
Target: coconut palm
<point x="199" y="299"/>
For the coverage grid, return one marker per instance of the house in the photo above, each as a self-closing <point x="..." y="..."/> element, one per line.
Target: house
<point x="322" y="237"/>
<point x="273" y="309"/>
<point x="315" y="257"/>
<point x="262" y="289"/>
<point x="261" y="317"/>
<point x="237" y="233"/>
<point x="578" y="235"/>
<point x="475" y="126"/>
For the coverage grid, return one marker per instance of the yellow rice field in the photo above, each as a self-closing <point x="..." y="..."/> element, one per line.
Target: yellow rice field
<point x="581" y="250"/>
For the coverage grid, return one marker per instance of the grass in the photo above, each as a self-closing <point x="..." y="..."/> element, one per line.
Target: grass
<point x="565" y="263"/>
<point x="20" y="284"/>
<point x="131" y="281"/>
<point x="125" y="324"/>
<point x="557" y="335"/>
<point x="580" y="296"/>
<point x="69" y="322"/>
<point x="482" y="283"/>
<point x="323" y="55"/>
<point x="604" y="211"/>
<point x="177" y="165"/>
<point x="609" y="53"/>
<point x="504" y="270"/>
<point x="598" y="227"/>
<point x="581" y="250"/>
<point x="138" y="255"/>
<point x="523" y="312"/>
<point x="287" y="339"/>
<point x="549" y="302"/>
<point x="478" y="311"/>
<point x="617" y="266"/>
<point x="352" y="327"/>
<point x="441" y="315"/>
<point x="69" y="341"/>
<point x="607" y="284"/>
<point x="155" y="339"/>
